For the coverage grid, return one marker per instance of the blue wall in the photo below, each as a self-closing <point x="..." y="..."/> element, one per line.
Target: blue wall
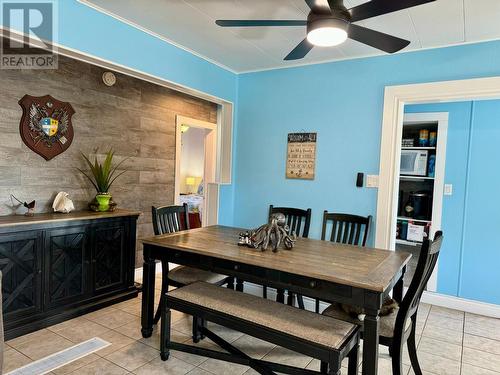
<point x="342" y="102"/>
<point x="469" y="258"/>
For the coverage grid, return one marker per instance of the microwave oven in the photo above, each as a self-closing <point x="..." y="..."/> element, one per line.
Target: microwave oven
<point x="414" y="162"/>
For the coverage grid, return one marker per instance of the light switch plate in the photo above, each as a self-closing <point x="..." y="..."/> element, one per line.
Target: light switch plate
<point x="448" y="189"/>
<point x="371" y="181"/>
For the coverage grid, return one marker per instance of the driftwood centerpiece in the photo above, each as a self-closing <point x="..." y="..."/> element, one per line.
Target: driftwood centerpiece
<point x="274" y="233"/>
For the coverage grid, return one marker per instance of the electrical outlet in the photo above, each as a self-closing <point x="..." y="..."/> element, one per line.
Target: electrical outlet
<point x="448" y="189"/>
<point x="371" y="181"/>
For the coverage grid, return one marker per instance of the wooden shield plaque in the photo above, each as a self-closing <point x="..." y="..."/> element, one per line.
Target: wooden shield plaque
<point x="46" y="125"/>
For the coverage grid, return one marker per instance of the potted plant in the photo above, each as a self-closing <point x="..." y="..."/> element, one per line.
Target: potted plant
<point x="102" y="176"/>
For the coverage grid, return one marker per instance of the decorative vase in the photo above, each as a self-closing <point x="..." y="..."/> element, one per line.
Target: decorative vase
<point x="103" y="201"/>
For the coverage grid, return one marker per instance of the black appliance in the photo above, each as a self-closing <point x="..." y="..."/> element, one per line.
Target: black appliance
<point x="419" y="205"/>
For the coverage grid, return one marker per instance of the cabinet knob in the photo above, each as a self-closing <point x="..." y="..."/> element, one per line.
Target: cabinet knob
<point x="236" y="267"/>
<point x="312" y="284"/>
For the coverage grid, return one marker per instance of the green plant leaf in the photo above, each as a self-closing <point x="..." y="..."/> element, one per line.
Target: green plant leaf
<point x="102" y="175"/>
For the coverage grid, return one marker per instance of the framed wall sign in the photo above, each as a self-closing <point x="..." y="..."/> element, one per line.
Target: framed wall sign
<point x="301" y="156"/>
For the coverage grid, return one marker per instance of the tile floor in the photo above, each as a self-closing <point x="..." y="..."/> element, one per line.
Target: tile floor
<point x="450" y="342"/>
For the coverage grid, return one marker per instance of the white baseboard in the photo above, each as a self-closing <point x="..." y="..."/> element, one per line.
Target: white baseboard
<point x="456" y="303"/>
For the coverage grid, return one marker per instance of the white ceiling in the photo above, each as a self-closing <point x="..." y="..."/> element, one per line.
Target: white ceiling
<point x="190" y="25"/>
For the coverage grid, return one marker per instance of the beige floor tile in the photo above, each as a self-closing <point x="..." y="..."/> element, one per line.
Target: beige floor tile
<point x="223" y="368"/>
<point x="193" y="359"/>
<point x="101" y="367"/>
<point x="199" y="371"/>
<point x="287" y="357"/>
<point x="66" y="324"/>
<point x="132" y="329"/>
<point x="443" y="334"/>
<point x="98" y="313"/>
<point x="173" y="366"/>
<point x="37" y="335"/>
<point x="113" y="318"/>
<point x="133" y="356"/>
<point x="226" y="333"/>
<point x="117" y="341"/>
<point x="40" y="347"/>
<point x="252" y="346"/>
<point x="473" y="370"/>
<point x="76" y="365"/>
<point x="154" y="340"/>
<point x="184" y="325"/>
<point x="481" y="359"/>
<point x="12" y="360"/>
<point x="80" y="330"/>
<point x="482" y="330"/>
<point x="446" y="313"/>
<point x="438" y="365"/>
<point x="485" y="321"/>
<point x="482" y="343"/>
<point x="440" y="348"/>
<point x="439" y="321"/>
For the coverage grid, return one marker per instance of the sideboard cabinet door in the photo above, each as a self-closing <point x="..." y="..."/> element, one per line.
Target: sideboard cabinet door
<point x="67" y="265"/>
<point x="20" y="263"/>
<point x="109" y="256"/>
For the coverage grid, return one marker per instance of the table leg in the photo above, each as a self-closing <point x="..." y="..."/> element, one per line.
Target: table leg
<point x="148" y="295"/>
<point x="399" y="287"/>
<point x="370" y="342"/>
<point x="280" y="295"/>
<point x="239" y="285"/>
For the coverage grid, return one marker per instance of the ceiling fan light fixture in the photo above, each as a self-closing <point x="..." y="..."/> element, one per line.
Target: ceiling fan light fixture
<point x="327" y="32"/>
<point x="327" y="36"/>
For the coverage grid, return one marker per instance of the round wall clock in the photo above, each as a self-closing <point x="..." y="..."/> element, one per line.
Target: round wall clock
<point x="108" y="78"/>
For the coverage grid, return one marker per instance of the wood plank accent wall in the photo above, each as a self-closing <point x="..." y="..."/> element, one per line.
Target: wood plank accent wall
<point x="134" y="117"/>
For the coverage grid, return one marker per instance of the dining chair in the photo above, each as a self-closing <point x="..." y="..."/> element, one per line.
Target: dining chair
<point x="171" y="219"/>
<point x="298" y="221"/>
<point x="346" y="229"/>
<point x="400" y="326"/>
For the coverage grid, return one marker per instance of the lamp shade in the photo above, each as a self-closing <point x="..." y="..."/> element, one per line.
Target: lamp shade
<point x="190" y="181"/>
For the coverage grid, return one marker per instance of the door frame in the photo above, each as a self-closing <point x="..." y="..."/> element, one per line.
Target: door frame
<point x="441" y="118"/>
<point x="395" y="98"/>
<point x="210" y="201"/>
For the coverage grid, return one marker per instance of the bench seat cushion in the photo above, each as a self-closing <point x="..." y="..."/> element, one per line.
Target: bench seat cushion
<point x="188" y="275"/>
<point x="306" y="325"/>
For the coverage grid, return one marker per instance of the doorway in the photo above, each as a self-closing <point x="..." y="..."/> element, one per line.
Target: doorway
<point x="468" y="262"/>
<point x="195" y="165"/>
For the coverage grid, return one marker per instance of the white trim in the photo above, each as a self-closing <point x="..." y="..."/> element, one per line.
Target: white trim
<point x="210" y="156"/>
<point x="437" y="207"/>
<point x="153" y="34"/>
<point x="394" y="100"/>
<point x="456" y="303"/>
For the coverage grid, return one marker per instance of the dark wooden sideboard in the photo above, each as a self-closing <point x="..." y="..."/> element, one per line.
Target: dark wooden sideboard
<point x="58" y="266"/>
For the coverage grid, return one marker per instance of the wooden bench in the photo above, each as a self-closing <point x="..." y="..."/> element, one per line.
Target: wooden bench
<point x="327" y="339"/>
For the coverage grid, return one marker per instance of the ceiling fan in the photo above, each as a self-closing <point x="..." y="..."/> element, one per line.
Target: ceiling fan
<point x="330" y="23"/>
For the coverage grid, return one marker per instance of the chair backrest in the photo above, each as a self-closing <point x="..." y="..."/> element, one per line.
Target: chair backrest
<point x="427" y="259"/>
<point x="347" y="229"/>
<point x="170" y="219"/>
<point x="298" y="220"/>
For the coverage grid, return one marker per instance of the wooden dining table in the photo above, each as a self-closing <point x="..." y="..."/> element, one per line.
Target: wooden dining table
<point x="319" y="269"/>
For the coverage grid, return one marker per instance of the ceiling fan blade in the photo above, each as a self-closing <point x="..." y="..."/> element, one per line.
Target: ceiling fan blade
<point x="253" y="23"/>
<point x="319" y="7"/>
<point x="300" y="51"/>
<point x="376" y="8"/>
<point x="376" y="39"/>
